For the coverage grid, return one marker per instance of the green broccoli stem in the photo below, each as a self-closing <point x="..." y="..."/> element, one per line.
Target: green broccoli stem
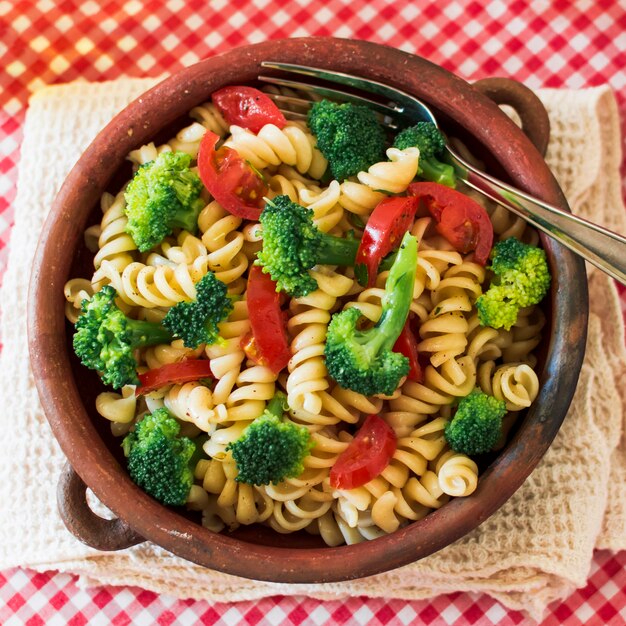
<point x="396" y="302"/>
<point x="340" y="251"/>
<point x="277" y="405"/>
<point x="437" y="172"/>
<point x="337" y="250"/>
<point x="142" y="333"/>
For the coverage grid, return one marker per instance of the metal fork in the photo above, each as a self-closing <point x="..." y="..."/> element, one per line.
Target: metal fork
<point x="601" y="247"/>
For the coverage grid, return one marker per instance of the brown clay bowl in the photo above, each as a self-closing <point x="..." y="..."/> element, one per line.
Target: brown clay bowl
<point x="67" y="392"/>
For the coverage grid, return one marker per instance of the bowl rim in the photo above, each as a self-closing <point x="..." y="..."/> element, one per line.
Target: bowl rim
<point x="58" y="391"/>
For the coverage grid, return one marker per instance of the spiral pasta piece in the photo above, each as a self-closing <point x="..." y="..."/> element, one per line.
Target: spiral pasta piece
<point x="197" y="499"/>
<point x="453" y="379"/>
<point x="524" y="336"/>
<point x="209" y="116"/>
<point x="347" y="405"/>
<point x="273" y="146"/>
<point x="358" y="198"/>
<point x="75" y="291"/>
<point x="115" y="245"/>
<point x="515" y="383"/>
<point x="335" y="530"/>
<point x="154" y="286"/>
<point x="185" y="249"/>
<point x="392" y="176"/>
<point x="327" y="446"/>
<point x="457" y="474"/>
<point x="215" y="447"/>
<point x="289" y="183"/>
<point x="118" y="407"/>
<point x="164" y="354"/>
<point x="362" y="195"/>
<point x="298" y="513"/>
<point x="484" y="343"/>
<point x="188" y="139"/>
<point x="224" y="243"/>
<point x="445" y="334"/>
<point x="424" y="493"/>
<point x="192" y="402"/>
<point x="327" y="212"/>
<point x="232" y="502"/>
<point x="307" y="327"/>
<point x="253" y="387"/>
<point x="146" y="153"/>
<point x="227" y="356"/>
<point x="427" y="441"/>
<point x="444" y="337"/>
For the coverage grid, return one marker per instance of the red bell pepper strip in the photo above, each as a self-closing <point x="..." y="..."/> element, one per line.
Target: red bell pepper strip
<point x="461" y="220"/>
<point x="173" y="373"/>
<point x="269" y="345"/>
<point x="230" y="180"/>
<point x="367" y="455"/>
<point x="407" y="345"/>
<point x="247" y="107"/>
<point x="389" y="221"/>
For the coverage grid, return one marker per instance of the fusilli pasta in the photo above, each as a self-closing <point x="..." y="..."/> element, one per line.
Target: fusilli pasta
<point x="457" y="353"/>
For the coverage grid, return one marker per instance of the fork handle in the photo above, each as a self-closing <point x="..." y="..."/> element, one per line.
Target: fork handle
<point x="601" y="247"/>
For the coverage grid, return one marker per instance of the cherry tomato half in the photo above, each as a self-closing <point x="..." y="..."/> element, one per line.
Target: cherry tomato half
<point x="247" y="107"/>
<point x="367" y="455"/>
<point x="230" y="180"/>
<point x="407" y="345"/>
<point x="173" y="373"/>
<point x="268" y="345"/>
<point x="461" y="220"/>
<point x="386" y="226"/>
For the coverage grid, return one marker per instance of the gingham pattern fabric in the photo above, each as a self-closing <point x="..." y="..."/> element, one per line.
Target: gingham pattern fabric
<point x="557" y="44"/>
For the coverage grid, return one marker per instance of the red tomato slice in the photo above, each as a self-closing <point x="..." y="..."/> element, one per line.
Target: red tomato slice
<point x="386" y="226"/>
<point x="268" y="344"/>
<point x="367" y="455"/>
<point x="247" y="107"/>
<point x="230" y="180"/>
<point x="407" y="345"/>
<point x="461" y="220"/>
<point x="173" y="373"/>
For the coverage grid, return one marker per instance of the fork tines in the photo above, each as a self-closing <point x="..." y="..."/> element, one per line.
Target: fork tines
<point x="294" y="107"/>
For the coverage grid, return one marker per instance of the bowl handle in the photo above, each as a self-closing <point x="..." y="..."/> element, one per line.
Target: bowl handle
<point x="83" y="523"/>
<point x="532" y="113"/>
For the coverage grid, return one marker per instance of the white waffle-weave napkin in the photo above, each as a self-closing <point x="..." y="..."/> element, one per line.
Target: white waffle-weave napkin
<point x="535" y="549"/>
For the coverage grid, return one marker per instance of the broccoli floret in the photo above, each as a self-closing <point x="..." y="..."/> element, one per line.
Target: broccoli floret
<point x="196" y="322"/>
<point x="163" y="194"/>
<point x="292" y="245"/>
<point x="363" y="360"/>
<point x="105" y="338"/>
<point x="477" y="423"/>
<point x="270" y="449"/>
<point x="431" y="143"/>
<point x="522" y="278"/>
<point x="348" y="135"/>
<point x="159" y="461"/>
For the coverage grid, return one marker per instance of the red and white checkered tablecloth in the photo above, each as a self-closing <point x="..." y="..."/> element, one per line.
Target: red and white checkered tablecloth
<point x="573" y="44"/>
